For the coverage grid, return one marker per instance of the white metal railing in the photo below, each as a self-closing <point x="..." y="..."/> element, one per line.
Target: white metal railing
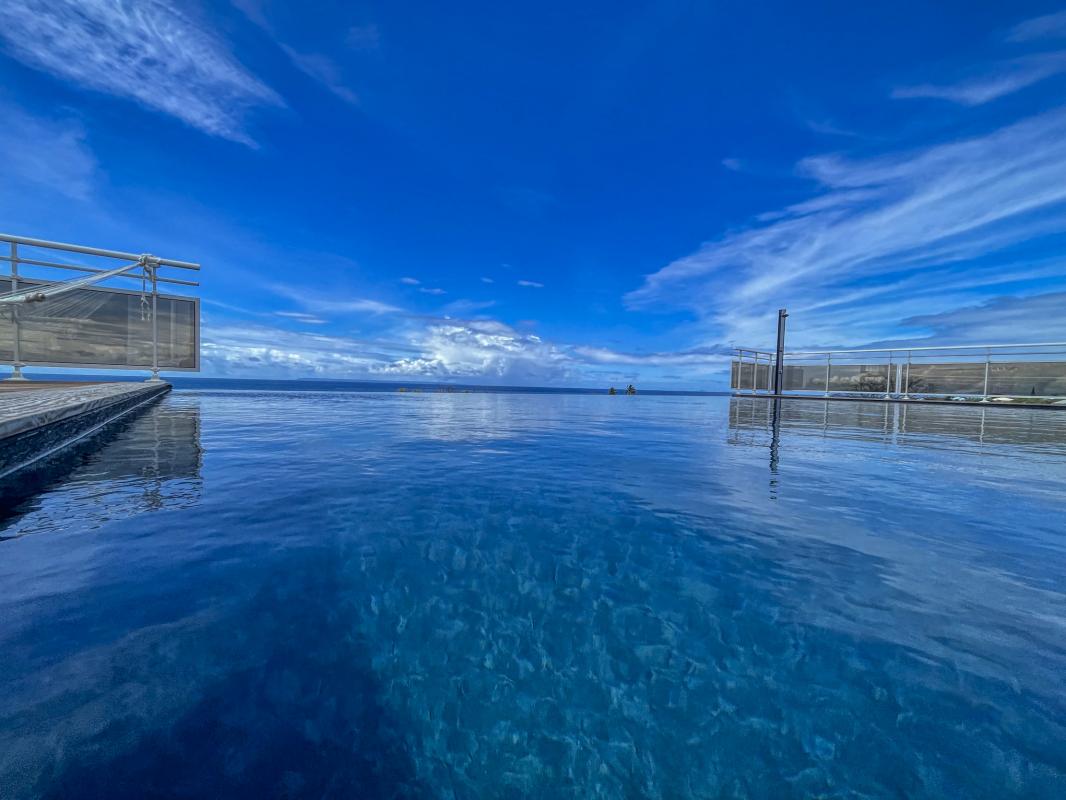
<point x="978" y="371"/>
<point x="39" y="284"/>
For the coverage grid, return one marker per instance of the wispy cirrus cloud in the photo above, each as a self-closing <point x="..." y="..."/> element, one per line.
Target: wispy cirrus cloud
<point x="362" y="305"/>
<point x="1005" y="77"/>
<point x="1049" y="26"/>
<point x="322" y="304"/>
<point x="697" y="356"/>
<point x="998" y="320"/>
<point x="882" y="239"/>
<point x="467" y="306"/>
<point x="300" y="316"/>
<point x="531" y="284"/>
<point x="317" y="66"/>
<point x="47" y="152"/>
<point x="143" y="50"/>
<point x="322" y="69"/>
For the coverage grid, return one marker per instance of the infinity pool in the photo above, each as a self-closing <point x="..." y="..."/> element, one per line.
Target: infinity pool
<point x="307" y="595"/>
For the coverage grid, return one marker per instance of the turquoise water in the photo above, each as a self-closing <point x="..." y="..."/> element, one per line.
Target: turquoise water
<point x="305" y="595"/>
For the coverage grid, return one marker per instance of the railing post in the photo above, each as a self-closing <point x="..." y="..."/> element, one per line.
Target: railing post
<point x="828" y="364"/>
<point x="988" y="364"/>
<point x="907" y="383"/>
<point x="16" y="375"/>
<point x="755" y="372"/>
<point x="888" y="378"/>
<point x="155" y="327"/>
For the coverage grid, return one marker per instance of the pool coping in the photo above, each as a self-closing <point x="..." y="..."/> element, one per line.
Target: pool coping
<point x="46" y="420"/>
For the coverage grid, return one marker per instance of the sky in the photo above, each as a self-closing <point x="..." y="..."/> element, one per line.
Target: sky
<point x="582" y="194"/>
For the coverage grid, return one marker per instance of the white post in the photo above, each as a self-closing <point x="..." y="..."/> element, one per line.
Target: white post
<point x="828" y="364"/>
<point x="16" y="375"/>
<point x="155" y="327"/>
<point x="984" y="391"/>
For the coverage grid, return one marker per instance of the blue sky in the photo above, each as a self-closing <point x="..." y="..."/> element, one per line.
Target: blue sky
<point x="558" y="193"/>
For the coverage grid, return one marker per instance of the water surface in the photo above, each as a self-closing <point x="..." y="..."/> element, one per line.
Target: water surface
<point x="267" y="594"/>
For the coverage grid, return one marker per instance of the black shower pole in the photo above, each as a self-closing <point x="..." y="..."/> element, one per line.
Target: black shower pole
<point x="779" y="360"/>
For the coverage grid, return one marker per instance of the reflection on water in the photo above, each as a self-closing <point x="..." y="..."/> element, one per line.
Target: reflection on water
<point x="927" y="426"/>
<point x="369" y="601"/>
<point x="147" y="461"/>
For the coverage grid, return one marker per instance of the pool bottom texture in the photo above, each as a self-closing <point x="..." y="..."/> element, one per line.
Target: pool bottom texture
<point x="300" y="595"/>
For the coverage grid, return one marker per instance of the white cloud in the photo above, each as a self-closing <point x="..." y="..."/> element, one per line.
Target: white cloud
<point x="828" y="128"/>
<point x="322" y="69"/>
<point x="426" y="290"/>
<point x="1006" y="78"/>
<point x="300" y="316"/>
<point x="441" y="349"/>
<point x="1045" y="27"/>
<point x="410" y="281"/>
<point x="531" y="284"/>
<point x="258" y="350"/>
<point x="444" y="349"/>
<point x="360" y="305"/>
<point x="316" y="66"/>
<point x="51" y="153"/>
<point x="143" y="50"/>
<point x="893" y="235"/>
<point x="467" y="306"/>
<point x="482" y="349"/>
<point x="1000" y="320"/>
<point x="700" y="356"/>
<point x="487" y="280"/>
<point x="319" y="304"/>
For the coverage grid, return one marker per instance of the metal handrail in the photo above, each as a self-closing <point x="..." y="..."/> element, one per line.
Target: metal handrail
<point x="79" y="268"/>
<point x="902" y="349"/>
<point x="895" y="363"/>
<point x="149" y="263"/>
<point x="93" y="251"/>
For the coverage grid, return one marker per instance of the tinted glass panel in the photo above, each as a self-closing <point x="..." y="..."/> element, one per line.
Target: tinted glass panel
<point x="101" y="327"/>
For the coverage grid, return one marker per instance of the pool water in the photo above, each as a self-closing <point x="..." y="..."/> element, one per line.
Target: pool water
<point x="307" y="595"/>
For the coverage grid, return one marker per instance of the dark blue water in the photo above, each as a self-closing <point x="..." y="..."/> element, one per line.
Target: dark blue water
<point x="305" y="595"/>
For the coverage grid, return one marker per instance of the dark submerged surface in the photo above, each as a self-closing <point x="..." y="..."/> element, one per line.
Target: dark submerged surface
<point x="256" y="594"/>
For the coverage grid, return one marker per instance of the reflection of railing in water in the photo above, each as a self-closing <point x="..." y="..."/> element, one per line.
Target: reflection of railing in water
<point x="46" y="321"/>
<point x="982" y="371"/>
<point x="148" y="461"/>
<point x="751" y="419"/>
